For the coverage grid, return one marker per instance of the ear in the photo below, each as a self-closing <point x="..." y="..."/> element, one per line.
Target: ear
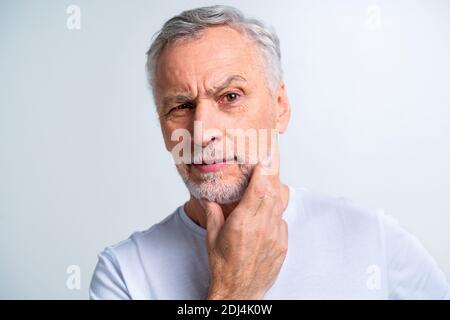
<point x="283" y="108"/>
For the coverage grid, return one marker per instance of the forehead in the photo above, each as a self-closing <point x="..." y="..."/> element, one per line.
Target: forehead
<point x="200" y="63"/>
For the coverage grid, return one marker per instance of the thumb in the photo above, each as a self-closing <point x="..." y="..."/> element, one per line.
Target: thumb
<point x="214" y="220"/>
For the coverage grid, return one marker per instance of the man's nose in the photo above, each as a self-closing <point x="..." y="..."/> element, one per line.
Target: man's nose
<point x="206" y="124"/>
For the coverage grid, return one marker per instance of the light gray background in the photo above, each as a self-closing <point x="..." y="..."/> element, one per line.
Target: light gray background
<point x="82" y="162"/>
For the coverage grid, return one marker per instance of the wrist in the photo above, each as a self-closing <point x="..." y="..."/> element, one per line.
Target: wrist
<point x="215" y="293"/>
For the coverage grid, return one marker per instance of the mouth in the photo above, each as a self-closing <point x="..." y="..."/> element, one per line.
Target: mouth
<point x="213" y="166"/>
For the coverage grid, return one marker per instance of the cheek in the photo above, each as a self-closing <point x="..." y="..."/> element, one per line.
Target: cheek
<point x="261" y="114"/>
<point x="260" y="123"/>
<point x="184" y="169"/>
<point x="179" y="130"/>
<point x="167" y="134"/>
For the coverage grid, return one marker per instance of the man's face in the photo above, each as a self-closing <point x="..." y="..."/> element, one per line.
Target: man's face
<point x="219" y="82"/>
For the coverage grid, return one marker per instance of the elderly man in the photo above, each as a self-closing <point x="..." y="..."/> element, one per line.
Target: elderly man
<point x="244" y="234"/>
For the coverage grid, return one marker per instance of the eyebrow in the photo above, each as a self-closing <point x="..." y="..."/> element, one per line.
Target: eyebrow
<point x="185" y="97"/>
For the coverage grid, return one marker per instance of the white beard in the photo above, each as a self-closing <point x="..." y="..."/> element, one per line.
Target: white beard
<point x="214" y="188"/>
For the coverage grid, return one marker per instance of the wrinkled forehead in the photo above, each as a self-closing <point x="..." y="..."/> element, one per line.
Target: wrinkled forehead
<point x="199" y="64"/>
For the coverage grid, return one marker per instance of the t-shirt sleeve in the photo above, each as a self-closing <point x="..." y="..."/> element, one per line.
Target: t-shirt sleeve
<point x="107" y="282"/>
<point x="412" y="271"/>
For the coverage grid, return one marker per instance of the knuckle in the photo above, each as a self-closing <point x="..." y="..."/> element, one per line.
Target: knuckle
<point x="259" y="192"/>
<point x="237" y="226"/>
<point x="259" y="233"/>
<point x="269" y="193"/>
<point x="272" y="241"/>
<point x="283" y="248"/>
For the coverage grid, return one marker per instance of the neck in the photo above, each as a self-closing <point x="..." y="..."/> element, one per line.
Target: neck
<point x="195" y="211"/>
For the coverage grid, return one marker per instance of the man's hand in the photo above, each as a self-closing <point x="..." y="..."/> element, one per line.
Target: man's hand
<point x="247" y="251"/>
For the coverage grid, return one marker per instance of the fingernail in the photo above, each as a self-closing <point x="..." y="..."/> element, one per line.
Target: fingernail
<point x="266" y="162"/>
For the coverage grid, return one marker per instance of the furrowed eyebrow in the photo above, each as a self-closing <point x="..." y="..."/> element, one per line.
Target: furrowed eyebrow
<point x="176" y="99"/>
<point x="225" y="84"/>
<point x="183" y="98"/>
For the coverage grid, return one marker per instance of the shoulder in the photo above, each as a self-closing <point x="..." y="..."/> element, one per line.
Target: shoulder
<point x="120" y="264"/>
<point x="411" y="271"/>
<point x="152" y="237"/>
<point x="317" y="205"/>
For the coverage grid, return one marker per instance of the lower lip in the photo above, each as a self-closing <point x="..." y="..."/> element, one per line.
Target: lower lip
<point x="205" y="168"/>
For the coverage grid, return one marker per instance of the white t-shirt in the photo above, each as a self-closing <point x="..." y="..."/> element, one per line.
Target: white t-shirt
<point x="336" y="250"/>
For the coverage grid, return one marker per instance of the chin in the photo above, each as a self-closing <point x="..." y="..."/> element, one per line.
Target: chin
<point x="216" y="186"/>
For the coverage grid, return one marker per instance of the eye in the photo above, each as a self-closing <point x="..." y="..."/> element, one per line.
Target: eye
<point x="184" y="106"/>
<point x="230" y="97"/>
<point x="181" y="107"/>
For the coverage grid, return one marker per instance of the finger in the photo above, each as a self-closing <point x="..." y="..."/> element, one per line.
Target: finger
<point x="283" y="235"/>
<point x="266" y="172"/>
<point x="256" y="192"/>
<point x="279" y="208"/>
<point x="264" y="182"/>
<point x="284" y="231"/>
<point x="271" y="162"/>
<point x="214" y="221"/>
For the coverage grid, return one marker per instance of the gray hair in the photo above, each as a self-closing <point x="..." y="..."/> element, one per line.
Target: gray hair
<point x="189" y="24"/>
